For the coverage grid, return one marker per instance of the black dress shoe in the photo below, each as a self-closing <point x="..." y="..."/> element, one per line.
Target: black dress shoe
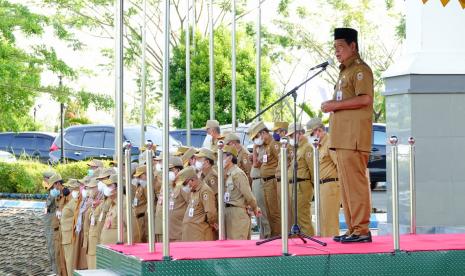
<point x="340" y="237"/>
<point x="357" y="238"/>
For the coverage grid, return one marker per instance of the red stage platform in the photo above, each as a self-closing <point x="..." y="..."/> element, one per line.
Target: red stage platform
<point x="246" y="249"/>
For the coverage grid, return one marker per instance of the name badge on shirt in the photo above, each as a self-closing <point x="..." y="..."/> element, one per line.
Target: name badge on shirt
<point x="58" y="214"/>
<point x="171" y="205"/>
<point x="191" y="212"/>
<point x="265" y="158"/>
<point x="227" y="197"/>
<point x="135" y="201"/>
<point x="92" y="220"/>
<point x="339" y="95"/>
<point x="100" y="218"/>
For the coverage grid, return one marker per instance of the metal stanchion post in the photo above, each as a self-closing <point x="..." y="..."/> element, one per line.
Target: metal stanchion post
<point x="150" y="196"/>
<point x="284" y="197"/>
<point x="395" y="200"/>
<point x="316" y="184"/>
<point x="127" y="156"/>
<point x="221" y="227"/>
<point x="413" y="222"/>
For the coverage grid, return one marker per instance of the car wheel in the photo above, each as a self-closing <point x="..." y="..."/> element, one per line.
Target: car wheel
<point x="373" y="185"/>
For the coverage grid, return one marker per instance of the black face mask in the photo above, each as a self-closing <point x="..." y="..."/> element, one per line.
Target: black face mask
<point x="276" y="137"/>
<point x="66" y="191"/>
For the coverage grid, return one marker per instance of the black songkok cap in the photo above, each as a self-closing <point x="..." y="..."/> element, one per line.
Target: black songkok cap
<point x="349" y="34"/>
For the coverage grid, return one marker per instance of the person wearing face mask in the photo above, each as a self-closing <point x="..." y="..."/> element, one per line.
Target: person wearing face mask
<point x="89" y="223"/>
<point x="67" y="223"/>
<point x="244" y="158"/>
<point x="200" y="219"/>
<point x="237" y="198"/>
<point x="94" y="165"/>
<point x="139" y="203"/>
<point x="175" y="166"/>
<point x="178" y="201"/>
<point x="213" y="135"/>
<point x="102" y="208"/>
<point x="304" y="197"/>
<point x="188" y="158"/>
<point x="279" y="130"/>
<point x="330" y="194"/>
<point x="268" y="166"/>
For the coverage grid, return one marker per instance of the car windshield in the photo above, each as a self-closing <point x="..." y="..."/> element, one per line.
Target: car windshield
<point x="156" y="135"/>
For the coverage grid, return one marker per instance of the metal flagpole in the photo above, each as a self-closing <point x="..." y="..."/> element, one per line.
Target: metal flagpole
<point x="219" y="163"/>
<point x="150" y="196"/>
<point x="413" y="200"/>
<point x="233" y="62"/>
<point x="284" y="198"/>
<point x="119" y="113"/>
<point x="166" y="117"/>
<point x="395" y="195"/>
<point x="212" y="64"/>
<point x="143" y="76"/>
<point x="127" y="160"/>
<point x="316" y="184"/>
<point x="188" y="79"/>
<point x="258" y="59"/>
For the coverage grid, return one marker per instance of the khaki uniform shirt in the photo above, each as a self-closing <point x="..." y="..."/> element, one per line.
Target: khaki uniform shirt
<point x="92" y="217"/>
<point x="304" y="162"/>
<point x="351" y="129"/>
<point x="100" y="214"/>
<point x="201" y="215"/>
<point x="139" y="203"/>
<point x="67" y="222"/>
<point x="270" y="159"/>
<point x="328" y="167"/>
<point x="177" y="208"/>
<point x="237" y="189"/>
<point x="243" y="160"/>
<point x="210" y="177"/>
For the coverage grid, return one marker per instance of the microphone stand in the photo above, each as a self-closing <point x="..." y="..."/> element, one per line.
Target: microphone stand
<point x="295" y="230"/>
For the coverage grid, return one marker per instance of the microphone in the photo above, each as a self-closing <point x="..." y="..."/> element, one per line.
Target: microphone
<point x="329" y="61"/>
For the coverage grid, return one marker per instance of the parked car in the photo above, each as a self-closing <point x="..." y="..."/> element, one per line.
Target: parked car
<point x="7" y="157"/>
<point x="85" y="142"/>
<point x="30" y="144"/>
<point x="377" y="159"/>
<point x="197" y="136"/>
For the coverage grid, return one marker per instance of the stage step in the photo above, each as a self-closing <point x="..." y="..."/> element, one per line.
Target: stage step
<point x="95" y="272"/>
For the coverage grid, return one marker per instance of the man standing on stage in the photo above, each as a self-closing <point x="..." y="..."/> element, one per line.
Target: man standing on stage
<point x="350" y="127"/>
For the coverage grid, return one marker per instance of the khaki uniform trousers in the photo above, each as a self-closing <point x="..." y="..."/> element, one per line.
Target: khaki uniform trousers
<point x="304" y="206"/>
<point x="355" y="189"/>
<point x="272" y="206"/>
<point x="59" y="254"/>
<point x="330" y="203"/>
<point x="69" y="257"/>
<point x="264" y="224"/>
<point x="237" y="223"/>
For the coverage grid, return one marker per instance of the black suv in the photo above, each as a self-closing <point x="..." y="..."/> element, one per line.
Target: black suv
<point x="377" y="160"/>
<point x="98" y="141"/>
<point x="197" y="136"/>
<point x="31" y="144"/>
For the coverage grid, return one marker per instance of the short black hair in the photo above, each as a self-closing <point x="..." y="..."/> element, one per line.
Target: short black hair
<point x="210" y="161"/>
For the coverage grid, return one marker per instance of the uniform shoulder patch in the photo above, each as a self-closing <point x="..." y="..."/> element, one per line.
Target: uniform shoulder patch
<point x="245" y="160"/>
<point x="309" y="154"/>
<point x="212" y="181"/>
<point x="205" y="196"/>
<point x="276" y="146"/>
<point x="359" y="76"/>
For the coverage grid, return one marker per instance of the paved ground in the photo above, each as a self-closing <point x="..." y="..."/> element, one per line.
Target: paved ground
<point x="23" y="249"/>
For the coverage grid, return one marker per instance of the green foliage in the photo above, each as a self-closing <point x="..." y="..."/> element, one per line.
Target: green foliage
<point x="21" y="177"/>
<point x="245" y="79"/>
<point x="76" y="170"/>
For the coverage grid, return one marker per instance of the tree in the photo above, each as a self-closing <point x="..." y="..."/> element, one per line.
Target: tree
<point x="245" y="79"/>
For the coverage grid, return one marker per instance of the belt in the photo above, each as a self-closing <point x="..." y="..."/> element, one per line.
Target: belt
<point x="230" y="205"/>
<point x="140" y="215"/>
<point x="268" y="178"/>
<point x="278" y="179"/>
<point x="326" y="180"/>
<point x="300" y="180"/>
<point x="256" y="178"/>
<point x="56" y="228"/>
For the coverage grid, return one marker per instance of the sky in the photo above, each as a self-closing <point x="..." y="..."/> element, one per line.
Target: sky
<point x="102" y="81"/>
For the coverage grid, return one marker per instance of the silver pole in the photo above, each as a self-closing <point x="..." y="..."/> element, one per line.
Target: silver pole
<point x="221" y="226"/>
<point x="150" y="196"/>
<point x="194" y="16"/>
<point x="258" y="66"/>
<point x="233" y="62"/>
<point x="284" y="198"/>
<point x="188" y="79"/>
<point x="413" y="199"/>
<point x="395" y="200"/>
<point x="316" y="184"/>
<point x="127" y="154"/>
<point x="143" y="76"/>
<point x="166" y="121"/>
<point x="119" y="113"/>
<point x="212" y="64"/>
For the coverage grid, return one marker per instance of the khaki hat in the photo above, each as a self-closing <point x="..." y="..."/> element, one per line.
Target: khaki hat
<point x="72" y="184"/>
<point x="185" y="174"/>
<point x="181" y="150"/>
<point x="292" y="129"/>
<point x="105" y="173"/>
<point x="140" y="171"/>
<point x="280" y="125"/>
<point x="48" y="174"/>
<point x="212" y="124"/>
<point x="255" y="128"/>
<point x="112" y="180"/>
<point x="85" y="180"/>
<point x="159" y="157"/>
<point x="95" y="163"/>
<point x="188" y="154"/>
<point x="313" y="124"/>
<point x="230" y="149"/>
<point x="231" y="137"/>
<point x="175" y="161"/>
<point x="206" y="153"/>
<point x="51" y="180"/>
<point x="92" y="183"/>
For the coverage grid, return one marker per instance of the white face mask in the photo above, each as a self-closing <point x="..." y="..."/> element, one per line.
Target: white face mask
<point x="100" y="186"/>
<point x="198" y="165"/>
<point x="158" y="167"/>
<point x="143" y="183"/>
<point x="291" y="142"/>
<point x="311" y="139"/>
<point x="171" y="176"/>
<point x="107" y="191"/>
<point x="84" y="193"/>
<point x="186" y="189"/>
<point x="258" y="141"/>
<point x="75" y="194"/>
<point x="115" y="169"/>
<point x="225" y="162"/>
<point x="207" y="143"/>
<point x="135" y="181"/>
